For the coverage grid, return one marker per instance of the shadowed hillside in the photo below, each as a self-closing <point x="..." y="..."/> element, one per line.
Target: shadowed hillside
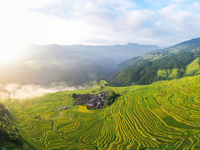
<point x="9" y="135"/>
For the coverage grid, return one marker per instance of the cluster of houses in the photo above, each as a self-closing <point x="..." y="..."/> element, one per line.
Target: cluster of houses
<point x="92" y="100"/>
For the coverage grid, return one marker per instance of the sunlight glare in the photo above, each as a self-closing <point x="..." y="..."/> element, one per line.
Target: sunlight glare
<point x="18" y="28"/>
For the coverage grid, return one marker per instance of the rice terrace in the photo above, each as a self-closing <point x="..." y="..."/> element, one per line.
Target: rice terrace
<point x="163" y="115"/>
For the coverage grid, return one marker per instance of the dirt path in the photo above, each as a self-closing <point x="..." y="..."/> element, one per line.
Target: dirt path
<point x="171" y="84"/>
<point x="60" y="115"/>
<point x="61" y="108"/>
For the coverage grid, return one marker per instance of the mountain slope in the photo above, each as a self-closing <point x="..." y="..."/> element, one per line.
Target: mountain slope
<point x="9" y="135"/>
<point x="183" y="60"/>
<point x="57" y="65"/>
<point x="74" y="65"/>
<point x="163" y="115"/>
<point x="118" y="53"/>
<point x="192" y="45"/>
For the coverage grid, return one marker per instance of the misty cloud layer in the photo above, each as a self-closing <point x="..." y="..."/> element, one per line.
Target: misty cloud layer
<point x="31" y="90"/>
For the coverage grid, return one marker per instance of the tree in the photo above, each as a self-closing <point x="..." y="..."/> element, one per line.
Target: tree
<point x="74" y="96"/>
<point x="2" y="110"/>
<point x="111" y="99"/>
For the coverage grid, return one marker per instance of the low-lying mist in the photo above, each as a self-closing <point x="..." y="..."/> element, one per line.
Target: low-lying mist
<point x="13" y="90"/>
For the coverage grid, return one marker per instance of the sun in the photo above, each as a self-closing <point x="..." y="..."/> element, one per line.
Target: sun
<point x="11" y="31"/>
<point x="12" y="42"/>
<point x="10" y="51"/>
<point x="17" y="30"/>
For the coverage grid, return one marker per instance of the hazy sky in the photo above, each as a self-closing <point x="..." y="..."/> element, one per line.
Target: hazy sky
<point x="97" y="22"/>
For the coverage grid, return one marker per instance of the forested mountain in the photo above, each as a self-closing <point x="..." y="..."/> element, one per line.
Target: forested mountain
<point x="74" y="65"/>
<point x="173" y="62"/>
<point x="157" y="54"/>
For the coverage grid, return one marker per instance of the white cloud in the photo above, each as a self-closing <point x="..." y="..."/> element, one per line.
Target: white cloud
<point x="14" y="90"/>
<point x="27" y="4"/>
<point x="18" y="28"/>
<point x="179" y="24"/>
<point x="98" y="22"/>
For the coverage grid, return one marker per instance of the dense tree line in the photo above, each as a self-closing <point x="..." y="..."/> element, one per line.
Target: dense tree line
<point x="146" y="72"/>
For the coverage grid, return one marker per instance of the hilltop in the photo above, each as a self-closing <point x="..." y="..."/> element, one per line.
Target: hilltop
<point x="162" y="115"/>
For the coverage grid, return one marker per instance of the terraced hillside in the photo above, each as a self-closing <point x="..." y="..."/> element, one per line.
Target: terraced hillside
<point x="163" y="115"/>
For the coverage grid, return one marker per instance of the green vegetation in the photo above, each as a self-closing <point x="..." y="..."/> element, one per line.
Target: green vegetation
<point x="74" y="96"/>
<point x="163" y="115"/>
<point x="193" y="67"/>
<point x="192" y="45"/>
<point x="111" y="99"/>
<point x="170" y="73"/>
<point x="159" y="65"/>
<point x="9" y="135"/>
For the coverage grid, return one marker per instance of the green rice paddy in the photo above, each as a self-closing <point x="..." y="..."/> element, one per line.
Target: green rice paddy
<point x="163" y="115"/>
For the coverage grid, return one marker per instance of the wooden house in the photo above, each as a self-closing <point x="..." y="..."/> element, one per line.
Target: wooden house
<point x="90" y="106"/>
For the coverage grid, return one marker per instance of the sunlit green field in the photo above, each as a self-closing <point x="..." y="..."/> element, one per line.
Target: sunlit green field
<point x="163" y="115"/>
<point x="192" y="69"/>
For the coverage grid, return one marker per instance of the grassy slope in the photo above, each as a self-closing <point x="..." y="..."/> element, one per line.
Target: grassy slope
<point x="191" y="69"/>
<point x="161" y="115"/>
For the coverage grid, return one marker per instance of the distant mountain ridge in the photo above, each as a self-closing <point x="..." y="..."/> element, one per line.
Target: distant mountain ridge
<point x="173" y="62"/>
<point x="157" y="54"/>
<point x="118" y="53"/>
<point x="73" y="64"/>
